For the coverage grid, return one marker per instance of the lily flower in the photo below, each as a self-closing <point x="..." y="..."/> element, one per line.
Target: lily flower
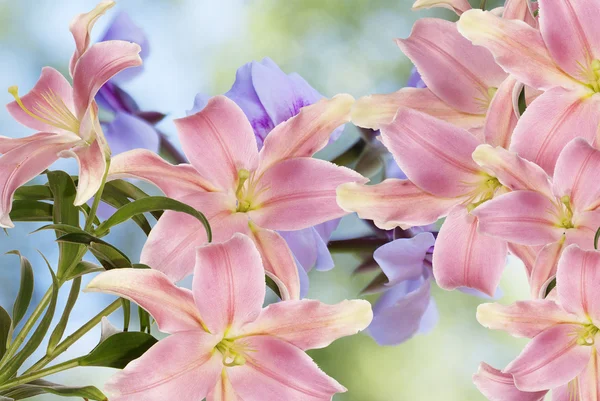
<point x="562" y="58"/>
<point x="223" y="344"/>
<point x="567" y="215"/>
<point x="449" y="174"/>
<point x="65" y="116"/>
<point x="240" y="189"/>
<point x="499" y="386"/>
<point x="563" y="348"/>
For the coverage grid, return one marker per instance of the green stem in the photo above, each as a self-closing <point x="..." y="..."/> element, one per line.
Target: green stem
<point x="482" y="4"/>
<point x="90" y="219"/>
<point x="27" y="378"/>
<point x="70" y="340"/>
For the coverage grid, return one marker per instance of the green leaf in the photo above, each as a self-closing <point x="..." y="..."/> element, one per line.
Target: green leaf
<point x="118" y="200"/>
<point x="126" y="305"/>
<point x="273" y="286"/>
<point x="149" y="204"/>
<point x="83" y="268"/>
<point x="5" y="330"/>
<point x="30" y="210"/>
<point x="38" y="387"/>
<point x="61" y="228"/>
<point x="33" y="192"/>
<point x="109" y="256"/>
<point x="596" y="238"/>
<point x="65" y="213"/>
<point x="144" y="320"/>
<point x="522" y="102"/>
<point x="119" y="349"/>
<point x="3" y="398"/>
<point x="25" y="289"/>
<point x="59" y="330"/>
<point x="128" y="190"/>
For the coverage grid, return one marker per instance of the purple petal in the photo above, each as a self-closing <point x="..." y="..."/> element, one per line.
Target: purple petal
<point x="303" y="246"/>
<point x="392" y="170"/>
<point x="402" y="259"/>
<point x="399" y="311"/>
<point x="200" y="102"/>
<point x="127" y="132"/>
<point x="327" y="228"/>
<point x="415" y="81"/>
<point x="122" y="27"/>
<point x="113" y="98"/>
<point x="324" y="260"/>
<point x="430" y="318"/>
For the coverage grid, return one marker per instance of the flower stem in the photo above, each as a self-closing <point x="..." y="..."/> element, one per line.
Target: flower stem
<point x="90" y="219"/>
<point x="26" y="378"/>
<point x="482" y="4"/>
<point x="70" y="340"/>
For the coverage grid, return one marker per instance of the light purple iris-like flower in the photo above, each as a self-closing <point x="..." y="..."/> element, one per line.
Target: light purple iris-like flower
<point x="268" y="96"/>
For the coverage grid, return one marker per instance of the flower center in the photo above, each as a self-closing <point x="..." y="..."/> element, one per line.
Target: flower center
<point x="233" y="354"/>
<point x="244" y="191"/>
<point x="566" y="213"/>
<point x="587" y="335"/>
<point x="593" y="75"/>
<point x="53" y="111"/>
<point x="484" y="191"/>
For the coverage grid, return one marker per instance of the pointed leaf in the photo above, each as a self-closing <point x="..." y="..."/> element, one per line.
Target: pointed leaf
<point x="144" y="320"/>
<point x="38" y="387"/>
<point x="126" y="305"/>
<point x="118" y="200"/>
<point x="30" y="210"/>
<point x="5" y="330"/>
<point x="109" y="256"/>
<point x="25" y="289"/>
<point x="128" y="190"/>
<point x="34" y="192"/>
<point x="83" y="268"/>
<point x="59" y="330"/>
<point x="119" y="349"/>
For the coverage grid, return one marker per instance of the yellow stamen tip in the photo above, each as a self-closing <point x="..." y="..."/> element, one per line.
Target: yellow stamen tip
<point x="14" y="90"/>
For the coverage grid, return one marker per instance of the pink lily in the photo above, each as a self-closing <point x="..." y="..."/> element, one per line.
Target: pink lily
<point x="498" y="386"/>
<point x="562" y="58"/>
<point x="564" y="333"/>
<point x="458" y="6"/>
<point x="67" y="121"/>
<point x="240" y="189"/>
<point x="439" y="51"/>
<point x="450" y="174"/>
<point x="567" y="215"/>
<point x="223" y="344"/>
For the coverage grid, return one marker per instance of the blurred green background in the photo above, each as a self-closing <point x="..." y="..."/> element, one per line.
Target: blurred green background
<point x="196" y="46"/>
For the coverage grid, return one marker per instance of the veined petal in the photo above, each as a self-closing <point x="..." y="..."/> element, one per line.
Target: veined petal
<point x="526" y="253"/>
<point x="97" y="65"/>
<point x="524" y="217"/>
<point x="51" y="99"/>
<point x="551" y="359"/>
<point x="512" y="170"/>
<point x="394" y="203"/>
<point x="439" y="51"/>
<point x="229" y="284"/>
<point x="81" y="27"/>
<point x="24" y="163"/>
<point x="299" y="193"/>
<point x="307" y="132"/>
<point x="172" y="307"/>
<point x="585" y="226"/>
<point x="310" y="324"/>
<point x="223" y="391"/>
<point x="175" y="181"/>
<point x="278" y="261"/>
<point x="571" y="33"/>
<point x="458" y="6"/>
<point x="517" y="47"/>
<point x="172" y="241"/>
<point x="545" y="267"/>
<point x="433" y="154"/>
<point x="577" y="278"/>
<point x="402" y="259"/>
<point x="498" y="386"/>
<point x="464" y="257"/>
<point x="92" y="166"/>
<point x="180" y="367"/>
<point x="547" y="126"/>
<point x="576" y="175"/>
<point x="501" y="120"/>
<point x="589" y="380"/>
<point x="519" y="9"/>
<point x="219" y="142"/>
<point x="376" y="110"/>
<point x="7" y="144"/>
<point x="279" y="371"/>
<point x="524" y="318"/>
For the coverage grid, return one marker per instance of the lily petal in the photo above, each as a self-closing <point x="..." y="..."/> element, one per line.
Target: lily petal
<point x="517" y="47"/>
<point x="81" y="27"/>
<point x="402" y="259"/>
<point x="439" y="51"/>
<point x="547" y="126"/>
<point x="545" y="267"/>
<point x="524" y="217"/>
<point x="50" y="92"/>
<point x="501" y="120"/>
<point x="577" y="278"/>
<point x="589" y="380"/>
<point x="570" y="30"/>
<point x="219" y="142"/>
<point x="526" y="253"/>
<point x="458" y="6"/>
<point x="172" y="307"/>
<point x="278" y="371"/>
<point x="524" y="318"/>
<point x="97" y="65"/>
<point x="7" y="144"/>
<point x="181" y="367"/>
<point x="551" y="359"/>
<point x="512" y="170"/>
<point x="394" y="203"/>
<point x="175" y="181"/>
<point x="498" y="386"/>
<point x="299" y="193"/>
<point x="376" y="110"/>
<point x="307" y="132"/>
<point x="576" y="175"/>
<point x="310" y="324"/>
<point x="92" y="166"/>
<point x="433" y="154"/>
<point x="586" y="224"/>
<point x="229" y="284"/>
<point x="278" y="261"/>
<point x="519" y="9"/>
<point x="24" y="163"/>
<point x="224" y="390"/>
<point x="464" y="257"/>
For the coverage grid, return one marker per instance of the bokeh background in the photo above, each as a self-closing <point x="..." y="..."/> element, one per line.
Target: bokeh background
<point x="196" y="46"/>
